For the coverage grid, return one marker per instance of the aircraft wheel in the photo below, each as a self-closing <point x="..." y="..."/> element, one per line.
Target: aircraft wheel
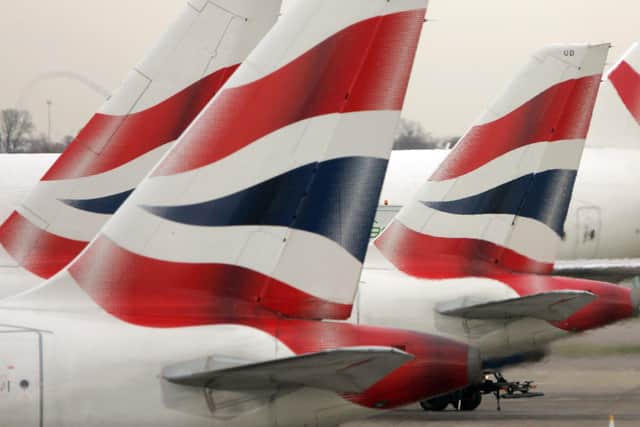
<point x="436" y="404"/>
<point x="470" y="400"/>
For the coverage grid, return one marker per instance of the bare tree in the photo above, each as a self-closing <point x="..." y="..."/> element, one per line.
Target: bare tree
<point x="38" y="144"/>
<point x="68" y="139"/>
<point x="15" y="128"/>
<point x="41" y="144"/>
<point x="412" y="136"/>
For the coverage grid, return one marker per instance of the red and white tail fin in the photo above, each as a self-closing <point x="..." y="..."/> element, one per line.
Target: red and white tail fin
<point x="265" y="203"/>
<point x="129" y="135"/>
<point x="616" y="120"/>
<point x="499" y="200"/>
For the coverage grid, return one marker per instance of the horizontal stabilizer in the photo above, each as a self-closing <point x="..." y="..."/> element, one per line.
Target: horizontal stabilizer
<point x="346" y="370"/>
<point x="550" y="306"/>
<point x="606" y="270"/>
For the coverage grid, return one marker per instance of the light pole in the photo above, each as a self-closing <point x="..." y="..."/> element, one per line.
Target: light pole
<point x="49" y="104"/>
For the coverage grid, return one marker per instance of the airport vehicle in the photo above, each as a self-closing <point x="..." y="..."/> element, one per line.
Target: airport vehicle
<point x="494" y="383"/>
<point x="601" y="225"/>
<point x="128" y="136"/>
<point x="197" y="303"/>
<point x="470" y="256"/>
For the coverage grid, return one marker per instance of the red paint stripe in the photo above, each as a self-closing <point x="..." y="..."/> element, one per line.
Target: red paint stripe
<point x="108" y="142"/>
<point x="626" y="81"/>
<point x="330" y="78"/>
<point x="613" y="303"/>
<point x="157" y="293"/>
<point x="559" y="113"/>
<point x="36" y="250"/>
<point x="426" y="256"/>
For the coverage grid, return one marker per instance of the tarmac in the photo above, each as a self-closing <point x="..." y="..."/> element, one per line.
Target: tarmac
<point x="586" y="380"/>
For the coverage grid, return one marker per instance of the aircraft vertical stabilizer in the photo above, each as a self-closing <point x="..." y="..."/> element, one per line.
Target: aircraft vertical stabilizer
<point x="268" y="198"/>
<point x="500" y="199"/>
<point x="122" y="142"/>
<point x="616" y="120"/>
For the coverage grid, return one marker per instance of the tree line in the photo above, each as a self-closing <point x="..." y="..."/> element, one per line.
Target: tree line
<point x="411" y="135"/>
<point x="18" y="135"/>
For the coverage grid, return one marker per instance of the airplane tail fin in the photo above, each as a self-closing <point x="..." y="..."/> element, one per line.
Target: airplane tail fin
<point x="500" y="199"/>
<point x="265" y="203"/>
<point x="130" y="133"/>
<point x="616" y="119"/>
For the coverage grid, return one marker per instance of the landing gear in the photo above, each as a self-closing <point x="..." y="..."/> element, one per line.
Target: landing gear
<point x="436" y="404"/>
<point x="465" y="400"/>
<point x="470" y="398"/>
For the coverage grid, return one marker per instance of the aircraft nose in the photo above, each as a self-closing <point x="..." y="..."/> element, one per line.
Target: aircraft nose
<point x="474" y="366"/>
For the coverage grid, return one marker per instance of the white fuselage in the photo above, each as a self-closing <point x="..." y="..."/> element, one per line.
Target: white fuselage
<point x="104" y="371"/>
<point x="84" y="368"/>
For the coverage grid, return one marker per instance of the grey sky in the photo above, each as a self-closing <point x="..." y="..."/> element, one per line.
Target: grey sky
<point x="466" y="54"/>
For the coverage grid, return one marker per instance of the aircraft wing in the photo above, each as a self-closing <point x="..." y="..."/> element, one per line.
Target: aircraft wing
<point x="607" y="270"/>
<point x="551" y="306"/>
<point x="346" y="370"/>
